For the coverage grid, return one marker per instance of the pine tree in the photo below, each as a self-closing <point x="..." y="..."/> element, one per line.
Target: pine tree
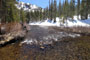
<point x="47" y="12"/>
<point x="88" y="4"/>
<point x="10" y="11"/>
<point x="59" y="9"/>
<point x="22" y="16"/>
<point x="41" y="14"/>
<point x="78" y="8"/>
<point x="2" y="10"/>
<point x="72" y="9"/>
<point x="84" y="9"/>
<point x="66" y="9"/>
<point x="55" y="10"/>
<point x="51" y="10"/>
<point x="31" y="13"/>
<point x="88" y="7"/>
<point x="28" y="17"/>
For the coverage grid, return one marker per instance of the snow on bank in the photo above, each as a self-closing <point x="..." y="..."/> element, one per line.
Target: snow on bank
<point x="68" y="23"/>
<point x="83" y="23"/>
<point x="46" y="23"/>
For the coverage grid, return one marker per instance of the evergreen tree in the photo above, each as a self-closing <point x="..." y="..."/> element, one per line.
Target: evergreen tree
<point x="84" y="9"/>
<point x="59" y="9"/>
<point x="66" y="9"/>
<point x="72" y="9"/>
<point x="10" y="11"/>
<point x="78" y="8"/>
<point x="2" y="10"/>
<point x="22" y="16"/>
<point x="55" y="10"/>
<point x="31" y="13"/>
<point x="47" y="12"/>
<point x="41" y="14"/>
<point x="51" y="10"/>
<point x="88" y="7"/>
<point x="28" y="16"/>
<point x="88" y="4"/>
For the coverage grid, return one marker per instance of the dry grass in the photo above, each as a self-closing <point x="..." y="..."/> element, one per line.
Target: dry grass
<point x="10" y="27"/>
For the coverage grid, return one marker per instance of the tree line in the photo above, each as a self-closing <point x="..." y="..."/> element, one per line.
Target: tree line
<point x="67" y="9"/>
<point x="64" y="10"/>
<point x="10" y="13"/>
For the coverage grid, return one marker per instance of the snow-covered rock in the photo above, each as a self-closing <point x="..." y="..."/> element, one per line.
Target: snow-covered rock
<point x="28" y="6"/>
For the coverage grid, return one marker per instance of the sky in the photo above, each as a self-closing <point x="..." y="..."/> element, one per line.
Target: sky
<point x="40" y="3"/>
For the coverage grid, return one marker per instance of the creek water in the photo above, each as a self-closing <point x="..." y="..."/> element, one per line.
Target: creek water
<point x="47" y="43"/>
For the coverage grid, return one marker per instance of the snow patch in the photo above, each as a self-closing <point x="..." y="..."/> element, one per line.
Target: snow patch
<point x="27" y="41"/>
<point x="74" y="35"/>
<point x="68" y="23"/>
<point x="84" y="23"/>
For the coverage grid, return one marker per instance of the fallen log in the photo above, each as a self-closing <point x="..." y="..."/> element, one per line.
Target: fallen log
<point x="10" y="36"/>
<point x="11" y="31"/>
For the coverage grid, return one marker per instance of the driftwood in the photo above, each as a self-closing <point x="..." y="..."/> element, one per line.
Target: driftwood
<point x="10" y="36"/>
<point x="13" y="30"/>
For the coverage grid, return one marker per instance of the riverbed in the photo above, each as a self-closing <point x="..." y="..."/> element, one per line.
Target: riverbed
<point x="48" y="43"/>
